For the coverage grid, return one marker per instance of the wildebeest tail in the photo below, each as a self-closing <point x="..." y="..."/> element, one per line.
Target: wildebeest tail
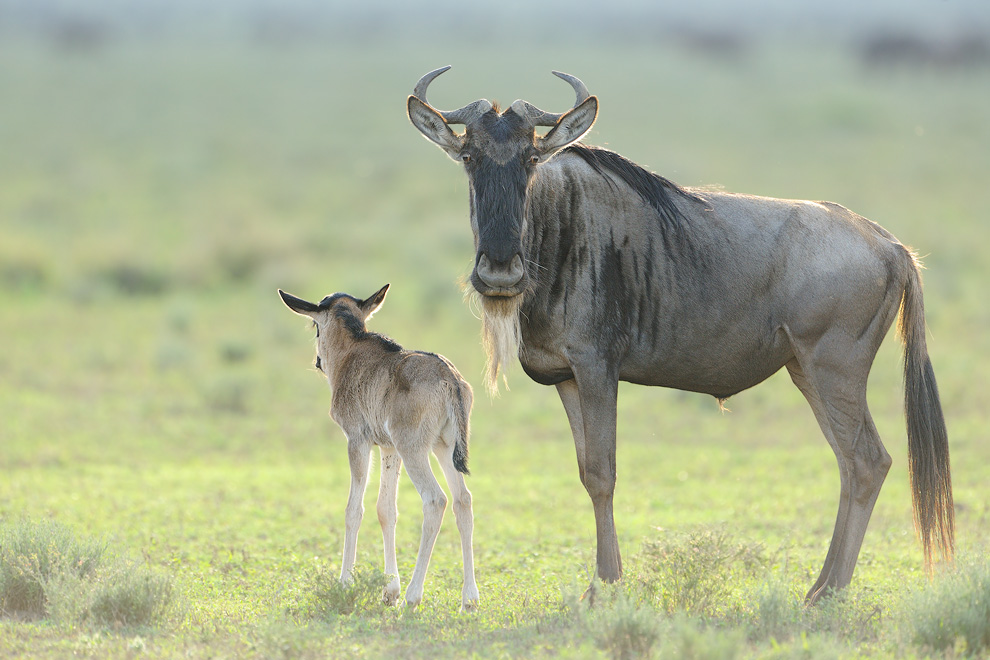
<point x="459" y="409"/>
<point x="928" y="441"/>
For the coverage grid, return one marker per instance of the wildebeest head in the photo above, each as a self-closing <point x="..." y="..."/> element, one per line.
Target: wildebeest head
<point x="500" y="151"/>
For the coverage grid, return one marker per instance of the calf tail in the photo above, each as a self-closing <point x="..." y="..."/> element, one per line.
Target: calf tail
<point x="928" y="441"/>
<point x="460" y="411"/>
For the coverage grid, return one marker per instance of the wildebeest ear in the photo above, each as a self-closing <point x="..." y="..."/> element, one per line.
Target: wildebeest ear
<point x="570" y="127"/>
<point x="371" y="305"/>
<point x="298" y="305"/>
<point x="432" y="125"/>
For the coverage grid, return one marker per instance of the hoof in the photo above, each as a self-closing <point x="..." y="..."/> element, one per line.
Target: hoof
<point x="469" y="606"/>
<point x="390" y="596"/>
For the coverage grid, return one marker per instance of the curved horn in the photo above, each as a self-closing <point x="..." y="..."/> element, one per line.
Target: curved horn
<point x="464" y="115"/>
<point x="541" y="117"/>
<point x="579" y="87"/>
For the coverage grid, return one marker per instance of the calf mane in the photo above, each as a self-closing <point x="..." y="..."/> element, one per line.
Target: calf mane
<point x="355" y="327"/>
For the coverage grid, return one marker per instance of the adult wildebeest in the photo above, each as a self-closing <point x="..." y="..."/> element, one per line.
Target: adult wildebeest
<point x="408" y="403"/>
<point x="594" y="270"/>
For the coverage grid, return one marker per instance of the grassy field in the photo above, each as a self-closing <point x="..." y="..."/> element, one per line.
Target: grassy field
<point x="157" y="399"/>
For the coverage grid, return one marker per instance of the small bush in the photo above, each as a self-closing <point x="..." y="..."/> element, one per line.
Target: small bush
<point x="326" y="598"/>
<point x="624" y="628"/>
<point x="688" y="639"/>
<point x="692" y="573"/>
<point x="129" y="595"/>
<point x="33" y="556"/>
<point x="854" y="614"/>
<point x="133" y="279"/>
<point x="954" y="612"/>
<point x="46" y="572"/>
<point x="817" y="646"/>
<point x="779" y="612"/>
<point x="228" y="393"/>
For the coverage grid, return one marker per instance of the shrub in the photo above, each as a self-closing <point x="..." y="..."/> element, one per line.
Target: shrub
<point x="135" y="279"/>
<point x="129" y="595"/>
<point x="688" y="639"/>
<point x="692" y="573"/>
<point x="33" y="556"/>
<point x="778" y="612"/>
<point x="954" y="611"/>
<point x="326" y="598"/>
<point x="625" y="628"/>
<point x="46" y="572"/>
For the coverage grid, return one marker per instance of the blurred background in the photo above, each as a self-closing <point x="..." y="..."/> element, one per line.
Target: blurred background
<point x="165" y="165"/>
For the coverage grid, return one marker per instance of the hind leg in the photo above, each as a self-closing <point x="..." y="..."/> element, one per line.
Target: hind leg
<point x="836" y="391"/>
<point x="358" y="455"/>
<point x="434" y="503"/>
<point x="461" y="497"/>
<point x="388" y="513"/>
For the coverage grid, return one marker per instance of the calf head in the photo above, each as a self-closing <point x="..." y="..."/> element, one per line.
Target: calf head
<point x="339" y="320"/>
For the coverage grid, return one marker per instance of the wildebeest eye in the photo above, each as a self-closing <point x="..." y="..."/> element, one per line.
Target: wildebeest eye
<point x="465" y="157"/>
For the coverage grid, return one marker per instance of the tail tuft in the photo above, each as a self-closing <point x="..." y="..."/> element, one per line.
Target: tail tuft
<point x="928" y="439"/>
<point x="459" y="409"/>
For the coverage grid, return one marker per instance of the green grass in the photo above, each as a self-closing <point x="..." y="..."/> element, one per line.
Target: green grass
<point x="155" y="394"/>
<point x="46" y="572"/>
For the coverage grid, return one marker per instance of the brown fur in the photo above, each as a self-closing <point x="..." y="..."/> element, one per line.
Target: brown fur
<point x="408" y="403"/>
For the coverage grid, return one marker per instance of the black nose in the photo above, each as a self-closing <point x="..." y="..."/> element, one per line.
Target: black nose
<point x="500" y="276"/>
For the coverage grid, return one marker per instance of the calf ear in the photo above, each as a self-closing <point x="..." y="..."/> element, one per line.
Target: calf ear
<point x="432" y="125"/>
<point x="571" y="127"/>
<point x="371" y="305"/>
<point x="298" y="305"/>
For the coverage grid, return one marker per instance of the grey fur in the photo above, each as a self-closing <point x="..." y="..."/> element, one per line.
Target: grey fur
<point x="631" y="277"/>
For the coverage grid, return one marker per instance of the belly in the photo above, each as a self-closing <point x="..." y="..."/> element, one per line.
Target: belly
<point x="721" y="366"/>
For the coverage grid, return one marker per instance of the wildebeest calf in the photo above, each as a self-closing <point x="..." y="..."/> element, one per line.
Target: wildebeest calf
<point x="408" y="403"/>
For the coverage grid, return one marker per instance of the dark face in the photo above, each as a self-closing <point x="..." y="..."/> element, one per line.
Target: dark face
<point x="500" y="152"/>
<point x="499" y="156"/>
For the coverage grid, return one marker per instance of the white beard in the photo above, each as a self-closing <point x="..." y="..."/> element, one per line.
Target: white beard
<point x="500" y="335"/>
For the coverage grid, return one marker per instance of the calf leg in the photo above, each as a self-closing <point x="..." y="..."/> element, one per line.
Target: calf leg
<point x="388" y="512"/>
<point x="434" y="503"/>
<point x="358" y="454"/>
<point x="464" y="515"/>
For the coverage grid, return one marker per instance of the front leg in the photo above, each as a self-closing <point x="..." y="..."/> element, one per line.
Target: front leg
<point x="569" y="396"/>
<point x="388" y="512"/>
<point x="358" y="454"/>
<point x="597" y="387"/>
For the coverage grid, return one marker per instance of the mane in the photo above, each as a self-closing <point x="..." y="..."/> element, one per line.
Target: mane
<point x="652" y="188"/>
<point x="357" y="330"/>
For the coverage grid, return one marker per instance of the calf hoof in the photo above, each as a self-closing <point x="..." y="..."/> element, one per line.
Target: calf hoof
<point x="469" y="599"/>
<point x="390" y="594"/>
